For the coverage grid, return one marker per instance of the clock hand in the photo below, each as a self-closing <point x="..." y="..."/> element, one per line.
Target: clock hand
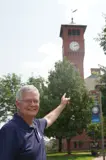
<point x="76" y="45"/>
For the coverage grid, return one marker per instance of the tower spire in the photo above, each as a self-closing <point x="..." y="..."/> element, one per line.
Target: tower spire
<point x="72" y="19"/>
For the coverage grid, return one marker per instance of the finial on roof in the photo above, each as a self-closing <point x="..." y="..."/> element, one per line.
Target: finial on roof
<point x="72" y="20"/>
<point x="72" y="11"/>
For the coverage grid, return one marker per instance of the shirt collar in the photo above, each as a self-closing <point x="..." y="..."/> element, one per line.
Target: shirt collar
<point x="20" y="121"/>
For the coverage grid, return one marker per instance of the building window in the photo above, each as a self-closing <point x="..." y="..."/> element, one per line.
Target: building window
<point x="78" y="32"/>
<point x="69" y="32"/>
<point x="75" y="144"/>
<point x="73" y="32"/>
<point x="105" y="144"/>
<point x="81" y="144"/>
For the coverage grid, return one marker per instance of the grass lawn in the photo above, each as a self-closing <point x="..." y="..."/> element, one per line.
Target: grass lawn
<point x="74" y="156"/>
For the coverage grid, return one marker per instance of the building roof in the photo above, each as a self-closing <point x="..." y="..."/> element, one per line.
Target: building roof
<point x="93" y="76"/>
<point x="72" y="25"/>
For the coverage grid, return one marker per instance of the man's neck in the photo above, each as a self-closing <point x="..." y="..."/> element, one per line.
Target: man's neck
<point x="27" y="119"/>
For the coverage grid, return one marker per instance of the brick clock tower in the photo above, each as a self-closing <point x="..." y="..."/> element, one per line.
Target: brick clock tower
<point x="73" y="44"/>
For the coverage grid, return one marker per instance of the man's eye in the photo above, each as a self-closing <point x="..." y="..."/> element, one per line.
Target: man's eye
<point x="35" y="101"/>
<point x="28" y="101"/>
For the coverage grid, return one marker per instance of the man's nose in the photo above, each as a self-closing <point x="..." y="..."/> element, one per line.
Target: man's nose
<point x="32" y="103"/>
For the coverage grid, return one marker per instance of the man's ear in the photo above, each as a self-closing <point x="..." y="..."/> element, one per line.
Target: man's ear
<point x="17" y="104"/>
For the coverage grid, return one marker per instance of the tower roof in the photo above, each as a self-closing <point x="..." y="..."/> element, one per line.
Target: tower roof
<point x="72" y="25"/>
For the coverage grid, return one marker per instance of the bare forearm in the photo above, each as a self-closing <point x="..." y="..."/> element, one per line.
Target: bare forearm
<point x="53" y="115"/>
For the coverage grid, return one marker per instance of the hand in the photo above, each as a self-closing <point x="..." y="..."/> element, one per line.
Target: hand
<point x="64" y="100"/>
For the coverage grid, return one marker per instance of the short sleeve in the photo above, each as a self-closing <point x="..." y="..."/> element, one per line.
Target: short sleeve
<point x="8" y="143"/>
<point x="42" y="124"/>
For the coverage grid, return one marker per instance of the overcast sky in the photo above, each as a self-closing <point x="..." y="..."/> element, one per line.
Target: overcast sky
<point x="29" y="34"/>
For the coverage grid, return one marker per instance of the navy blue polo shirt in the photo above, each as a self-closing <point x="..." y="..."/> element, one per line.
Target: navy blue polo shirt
<point x="19" y="141"/>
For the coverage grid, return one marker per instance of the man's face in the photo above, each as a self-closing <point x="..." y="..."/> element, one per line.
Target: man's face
<point x="29" y="104"/>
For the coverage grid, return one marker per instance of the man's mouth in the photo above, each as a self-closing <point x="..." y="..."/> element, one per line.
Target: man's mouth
<point x="32" y="109"/>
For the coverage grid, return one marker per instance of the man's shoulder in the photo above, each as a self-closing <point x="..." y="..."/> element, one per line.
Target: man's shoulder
<point x="41" y="123"/>
<point x="10" y="131"/>
<point x="10" y="125"/>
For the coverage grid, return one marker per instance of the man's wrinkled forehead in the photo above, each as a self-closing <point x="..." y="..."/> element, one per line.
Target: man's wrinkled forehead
<point x="30" y="94"/>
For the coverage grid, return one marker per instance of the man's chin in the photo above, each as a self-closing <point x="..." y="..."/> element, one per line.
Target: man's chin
<point x="32" y="113"/>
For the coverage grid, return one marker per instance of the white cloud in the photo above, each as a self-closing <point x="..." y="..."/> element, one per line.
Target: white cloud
<point x="30" y="65"/>
<point x="77" y="3"/>
<point x="50" y="49"/>
<point x="52" y="53"/>
<point x="93" y="57"/>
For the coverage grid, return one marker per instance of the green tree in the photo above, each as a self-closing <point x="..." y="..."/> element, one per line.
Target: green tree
<point x="102" y="42"/>
<point x="8" y="87"/>
<point x="94" y="131"/>
<point x="76" y="116"/>
<point x="38" y="82"/>
<point x="102" y="37"/>
<point x="103" y="88"/>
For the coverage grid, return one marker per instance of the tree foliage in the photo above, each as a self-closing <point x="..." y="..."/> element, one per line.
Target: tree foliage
<point x="8" y="87"/>
<point x="102" y="42"/>
<point x="94" y="131"/>
<point x="102" y="37"/>
<point x="103" y="88"/>
<point x="76" y="116"/>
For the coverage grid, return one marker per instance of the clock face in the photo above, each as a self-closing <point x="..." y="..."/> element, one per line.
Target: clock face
<point x="95" y="110"/>
<point x="74" y="46"/>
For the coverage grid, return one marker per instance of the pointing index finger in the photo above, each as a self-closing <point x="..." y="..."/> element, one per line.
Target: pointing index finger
<point x="64" y="95"/>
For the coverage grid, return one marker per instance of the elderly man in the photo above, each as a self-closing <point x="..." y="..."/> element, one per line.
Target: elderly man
<point x="22" y="137"/>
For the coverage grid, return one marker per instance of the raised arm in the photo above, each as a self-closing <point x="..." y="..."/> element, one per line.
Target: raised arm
<point x="53" y="115"/>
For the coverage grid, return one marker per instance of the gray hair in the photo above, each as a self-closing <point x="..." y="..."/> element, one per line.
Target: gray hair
<point x="26" y="88"/>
